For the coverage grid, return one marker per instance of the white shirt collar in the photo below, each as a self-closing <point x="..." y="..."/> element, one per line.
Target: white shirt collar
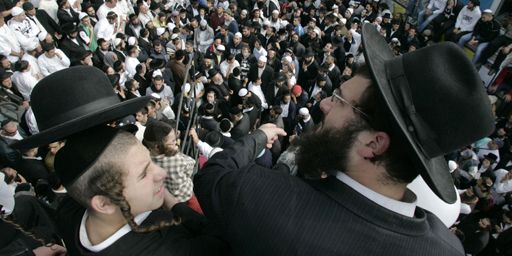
<point x="406" y="207"/>
<point x="84" y="238"/>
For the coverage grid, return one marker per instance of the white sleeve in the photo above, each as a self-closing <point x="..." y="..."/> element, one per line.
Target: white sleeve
<point x="64" y="60"/>
<point x="42" y="65"/>
<point x="25" y="42"/>
<point x="84" y="37"/>
<point x="204" y="148"/>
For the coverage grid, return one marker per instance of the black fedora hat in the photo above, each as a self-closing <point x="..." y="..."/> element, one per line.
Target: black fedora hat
<point x="446" y="94"/>
<point x="72" y="100"/>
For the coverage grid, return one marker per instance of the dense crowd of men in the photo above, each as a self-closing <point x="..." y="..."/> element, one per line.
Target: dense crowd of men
<point x="218" y="70"/>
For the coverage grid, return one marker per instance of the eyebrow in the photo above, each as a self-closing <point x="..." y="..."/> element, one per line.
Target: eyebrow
<point x="143" y="173"/>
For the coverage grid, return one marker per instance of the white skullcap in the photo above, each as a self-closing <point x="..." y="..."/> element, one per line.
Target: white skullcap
<point x="244" y="12"/>
<point x="156" y="95"/>
<point x="489" y="11"/>
<point x="117" y="41"/>
<point x="221" y="47"/>
<point x="242" y="92"/>
<point x="132" y="40"/>
<point x="334" y="7"/>
<point x="185" y="88"/>
<point x="157" y="73"/>
<point x="287" y="59"/>
<point x="238" y="34"/>
<point x="452" y="165"/>
<point x="203" y="23"/>
<point x="82" y="15"/>
<point x="160" y="31"/>
<point x="275" y="12"/>
<point x="262" y="59"/>
<point x="174" y="36"/>
<point x="16" y="11"/>
<point x="303" y="111"/>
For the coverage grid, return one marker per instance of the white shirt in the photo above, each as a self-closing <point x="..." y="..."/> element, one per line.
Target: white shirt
<point x="34" y="66"/>
<point x="225" y="69"/>
<point x="84" y="238"/>
<point x="25" y="83"/>
<point x="403" y="208"/>
<point x="9" y="43"/>
<point x="502" y="187"/>
<point x="467" y="19"/>
<point x="30" y="118"/>
<point x="256" y="89"/>
<point x="50" y="65"/>
<point x="104" y="29"/>
<point x="130" y="64"/>
<point x="24" y="33"/>
<point x="145" y="18"/>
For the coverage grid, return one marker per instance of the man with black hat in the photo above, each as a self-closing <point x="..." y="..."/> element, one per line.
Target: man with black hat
<point x="308" y="70"/>
<point x="72" y="45"/>
<point x="116" y="192"/>
<point x="380" y="131"/>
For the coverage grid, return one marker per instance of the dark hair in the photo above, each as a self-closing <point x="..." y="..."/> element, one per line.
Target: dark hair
<point x="397" y="159"/>
<point x="21" y="65"/>
<point x="118" y="65"/>
<point x="100" y="41"/>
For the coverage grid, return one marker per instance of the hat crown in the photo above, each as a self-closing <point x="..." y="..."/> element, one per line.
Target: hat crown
<point x="449" y="91"/>
<point x="54" y="101"/>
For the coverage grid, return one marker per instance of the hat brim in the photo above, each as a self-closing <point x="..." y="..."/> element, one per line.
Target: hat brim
<point x="435" y="170"/>
<point x="82" y="123"/>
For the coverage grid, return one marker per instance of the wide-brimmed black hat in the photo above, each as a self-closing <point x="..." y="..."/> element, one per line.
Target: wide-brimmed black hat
<point x="72" y="100"/>
<point x="434" y="95"/>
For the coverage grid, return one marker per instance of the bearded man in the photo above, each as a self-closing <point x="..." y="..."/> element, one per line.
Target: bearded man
<point x="380" y="131"/>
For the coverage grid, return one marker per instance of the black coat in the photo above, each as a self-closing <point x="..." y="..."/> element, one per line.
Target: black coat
<point x="65" y="17"/>
<point x="191" y="237"/>
<point x="242" y="128"/>
<point x="48" y="23"/>
<point x="265" y="212"/>
<point x="72" y="50"/>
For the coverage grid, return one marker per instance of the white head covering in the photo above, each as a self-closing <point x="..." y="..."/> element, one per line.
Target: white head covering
<point x="82" y="15"/>
<point x="6" y="196"/>
<point x="16" y="11"/>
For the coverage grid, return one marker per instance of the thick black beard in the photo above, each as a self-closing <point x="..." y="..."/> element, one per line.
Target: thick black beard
<point x="327" y="150"/>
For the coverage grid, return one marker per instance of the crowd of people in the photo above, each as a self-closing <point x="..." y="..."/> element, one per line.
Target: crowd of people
<point x="206" y="76"/>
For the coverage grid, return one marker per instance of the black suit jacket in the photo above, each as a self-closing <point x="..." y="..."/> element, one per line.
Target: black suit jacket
<point x="48" y="23"/>
<point x="72" y="50"/>
<point x="242" y="128"/>
<point x="65" y="17"/>
<point x="266" y="212"/>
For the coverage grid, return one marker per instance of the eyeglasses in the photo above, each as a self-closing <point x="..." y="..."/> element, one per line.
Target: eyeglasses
<point x="337" y="94"/>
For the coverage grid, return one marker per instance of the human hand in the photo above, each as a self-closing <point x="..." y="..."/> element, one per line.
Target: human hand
<point x="194" y="136"/>
<point x="507" y="98"/>
<point x="272" y="132"/>
<point x="169" y="200"/>
<point x="52" y="250"/>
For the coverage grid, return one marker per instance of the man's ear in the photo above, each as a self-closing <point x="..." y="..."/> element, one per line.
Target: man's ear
<point x="380" y="143"/>
<point x="102" y="204"/>
<point x="375" y="144"/>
